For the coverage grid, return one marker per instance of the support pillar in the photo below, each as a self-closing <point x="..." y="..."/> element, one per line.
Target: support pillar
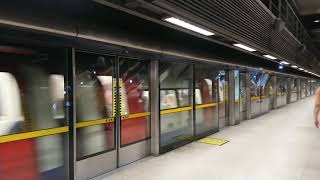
<point x="288" y="82"/>
<point x="248" y="96"/>
<point x="275" y="91"/>
<point x="231" y="101"/>
<point x="154" y="107"/>
<point x="298" y="89"/>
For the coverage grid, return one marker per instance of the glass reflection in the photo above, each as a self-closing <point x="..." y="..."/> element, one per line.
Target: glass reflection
<point x="94" y="101"/>
<point x="206" y="94"/>
<point x="175" y="92"/>
<point x="134" y="99"/>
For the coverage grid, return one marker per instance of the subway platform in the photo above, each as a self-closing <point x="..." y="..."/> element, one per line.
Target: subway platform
<point x="280" y="145"/>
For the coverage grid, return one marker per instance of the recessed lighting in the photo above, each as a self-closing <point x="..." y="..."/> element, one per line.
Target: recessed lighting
<point x="280" y="67"/>
<point x="189" y="26"/>
<point x="284" y="62"/>
<point x="244" y="47"/>
<point x="316" y="21"/>
<point x="269" y="56"/>
<point x="294" y="66"/>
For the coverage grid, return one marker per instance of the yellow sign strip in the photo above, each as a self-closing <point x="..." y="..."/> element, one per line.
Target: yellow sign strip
<point x="33" y="134"/>
<point x="176" y="110"/>
<point x="258" y="97"/>
<point x="137" y="115"/>
<point x="94" y="122"/>
<point x="206" y="105"/>
<point x="110" y="120"/>
<point x="222" y="102"/>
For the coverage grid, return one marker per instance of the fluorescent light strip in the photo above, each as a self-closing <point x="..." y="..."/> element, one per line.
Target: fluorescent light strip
<point x="186" y="25"/>
<point x="244" y="47"/>
<point x="316" y="21"/>
<point x="301" y="69"/>
<point x="284" y="62"/>
<point x="269" y="56"/>
<point x="294" y="66"/>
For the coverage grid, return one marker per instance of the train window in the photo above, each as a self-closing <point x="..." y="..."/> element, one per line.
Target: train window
<point x="94" y="101"/>
<point x="32" y="97"/>
<point x="168" y="99"/>
<point x="134" y="85"/>
<point x="176" y="102"/>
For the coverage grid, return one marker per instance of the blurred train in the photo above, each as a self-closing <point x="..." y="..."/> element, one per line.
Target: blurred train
<point x="31" y="99"/>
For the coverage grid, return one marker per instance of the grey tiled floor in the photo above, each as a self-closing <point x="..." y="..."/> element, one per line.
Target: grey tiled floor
<point x="280" y="145"/>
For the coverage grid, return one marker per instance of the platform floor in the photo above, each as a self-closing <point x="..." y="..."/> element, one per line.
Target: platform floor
<point x="280" y="145"/>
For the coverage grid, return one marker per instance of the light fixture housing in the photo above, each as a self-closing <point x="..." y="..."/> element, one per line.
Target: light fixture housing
<point x="244" y="47"/>
<point x="189" y="26"/>
<point x="270" y="57"/>
<point x="294" y="66"/>
<point x="284" y="62"/>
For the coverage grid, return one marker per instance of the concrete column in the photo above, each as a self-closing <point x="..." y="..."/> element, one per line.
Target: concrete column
<point x="154" y="107"/>
<point x="248" y="96"/>
<point x="231" y="95"/>
<point x="275" y="91"/>
<point x="298" y="89"/>
<point x="288" y="82"/>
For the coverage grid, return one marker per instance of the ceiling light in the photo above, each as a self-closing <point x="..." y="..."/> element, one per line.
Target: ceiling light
<point x="280" y="67"/>
<point x="284" y="62"/>
<point x="294" y="66"/>
<point x="306" y="71"/>
<point x="188" y="26"/>
<point x="244" y="47"/>
<point x="269" y="56"/>
<point x="301" y="69"/>
<point x="316" y="21"/>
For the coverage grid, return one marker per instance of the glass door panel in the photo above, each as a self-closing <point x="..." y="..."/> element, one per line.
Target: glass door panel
<point x="223" y="98"/>
<point x="206" y="99"/>
<point x="95" y="113"/>
<point x="134" y="110"/>
<point x="264" y="95"/>
<point x="255" y="79"/>
<point x="112" y="112"/>
<point x="176" y="104"/>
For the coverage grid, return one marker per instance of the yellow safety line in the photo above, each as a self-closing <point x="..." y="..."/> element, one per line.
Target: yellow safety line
<point x="222" y="102"/>
<point x="33" y="134"/>
<point x="200" y="106"/>
<point x="137" y="115"/>
<point x="176" y="110"/>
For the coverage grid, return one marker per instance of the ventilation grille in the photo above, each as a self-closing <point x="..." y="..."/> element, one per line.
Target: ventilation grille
<point x="247" y="21"/>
